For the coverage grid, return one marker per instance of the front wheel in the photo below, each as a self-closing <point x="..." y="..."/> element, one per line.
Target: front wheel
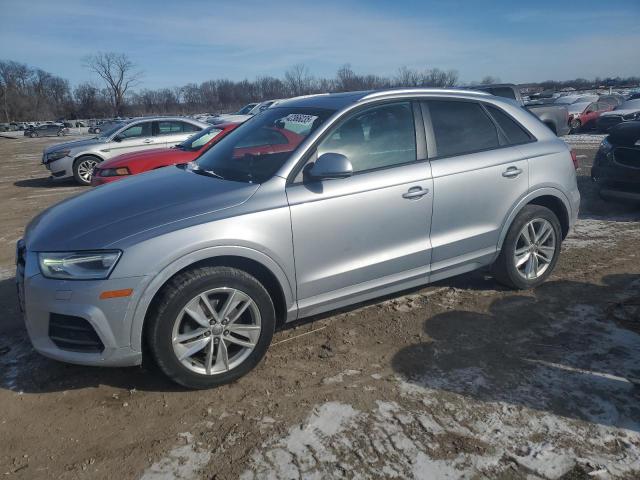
<point x="575" y="125"/>
<point x="530" y="250"/>
<point x="210" y="326"/>
<point x="83" y="169"/>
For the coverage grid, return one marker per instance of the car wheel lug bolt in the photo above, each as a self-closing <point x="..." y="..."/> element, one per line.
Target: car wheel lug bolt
<point x="226" y="332"/>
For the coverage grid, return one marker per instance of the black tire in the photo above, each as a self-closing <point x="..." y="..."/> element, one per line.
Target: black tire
<point x="96" y="130"/>
<point x="504" y="268"/>
<point x="576" y="125"/>
<point x="176" y="294"/>
<point x="33" y="135"/>
<point x="77" y="165"/>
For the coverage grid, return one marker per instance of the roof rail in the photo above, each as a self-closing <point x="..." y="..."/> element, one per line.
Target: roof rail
<point x="393" y="91"/>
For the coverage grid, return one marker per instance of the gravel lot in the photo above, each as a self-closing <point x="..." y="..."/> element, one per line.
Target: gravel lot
<point x="459" y="379"/>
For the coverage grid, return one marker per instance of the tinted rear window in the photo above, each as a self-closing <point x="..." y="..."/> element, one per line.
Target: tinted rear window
<point x="514" y="132"/>
<point x="461" y="127"/>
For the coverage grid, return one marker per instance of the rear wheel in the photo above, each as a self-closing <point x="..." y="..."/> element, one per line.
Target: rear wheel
<point x="210" y="326"/>
<point x="83" y="169"/>
<point x="530" y="250"/>
<point x="33" y="134"/>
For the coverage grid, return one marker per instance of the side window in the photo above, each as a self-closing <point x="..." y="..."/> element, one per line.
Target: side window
<point x="187" y="127"/>
<point x="514" y="132"/>
<point x="592" y="108"/>
<point x="169" y="127"/>
<point x="461" y="127"/>
<point x="378" y="137"/>
<point x="137" y="131"/>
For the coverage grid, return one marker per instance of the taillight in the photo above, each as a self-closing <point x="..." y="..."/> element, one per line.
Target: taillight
<point x="574" y="159"/>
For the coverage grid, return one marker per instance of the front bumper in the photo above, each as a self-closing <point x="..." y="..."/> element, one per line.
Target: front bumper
<point x="41" y="297"/>
<point x="60" y="169"/>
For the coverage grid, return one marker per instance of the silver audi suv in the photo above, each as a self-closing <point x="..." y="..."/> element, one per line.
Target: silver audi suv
<point x="320" y="202"/>
<point x="77" y="159"/>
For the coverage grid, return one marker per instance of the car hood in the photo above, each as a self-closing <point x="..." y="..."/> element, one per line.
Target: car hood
<point x="175" y="154"/>
<point x="622" y="111"/>
<point x="73" y="144"/>
<point x="106" y="215"/>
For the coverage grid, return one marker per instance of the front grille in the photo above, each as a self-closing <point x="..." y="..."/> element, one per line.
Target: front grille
<point x="74" y="334"/>
<point x="629" y="157"/>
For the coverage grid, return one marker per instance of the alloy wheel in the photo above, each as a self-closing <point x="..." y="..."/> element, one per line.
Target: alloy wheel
<point x="85" y="169"/>
<point x="535" y="248"/>
<point x="216" y="331"/>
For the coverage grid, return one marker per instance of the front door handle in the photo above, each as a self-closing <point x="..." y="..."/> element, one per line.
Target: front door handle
<point x="148" y="140"/>
<point x="415" y="193"/>
<point x="512" y="172"/>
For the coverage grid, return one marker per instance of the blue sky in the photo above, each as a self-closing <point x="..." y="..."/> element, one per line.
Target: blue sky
<point x="179" y="42"/>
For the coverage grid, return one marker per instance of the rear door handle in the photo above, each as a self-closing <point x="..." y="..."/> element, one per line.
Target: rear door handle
<point x="512" y="172"/>
<point x="415" y="193"/>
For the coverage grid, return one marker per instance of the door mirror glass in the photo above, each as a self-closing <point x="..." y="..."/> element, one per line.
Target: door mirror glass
<point x="331" y="165"/>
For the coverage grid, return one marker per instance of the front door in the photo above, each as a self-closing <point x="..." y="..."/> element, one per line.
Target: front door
<point x="134" y="138"/>
<point x="366" y="235"/>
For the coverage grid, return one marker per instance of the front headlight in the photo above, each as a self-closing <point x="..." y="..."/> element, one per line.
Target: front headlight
<point x="631" y="116"/>
<point x="78" y="265"/>
<point x="53" y="156"/>
<point x="114" y="172"/>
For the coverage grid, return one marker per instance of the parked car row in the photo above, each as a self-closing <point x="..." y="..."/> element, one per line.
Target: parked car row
<point x="46" y="130"/>
<point x="576" y="112"/>
<point x="77" y="159"/>
<point x="316" y="203"/>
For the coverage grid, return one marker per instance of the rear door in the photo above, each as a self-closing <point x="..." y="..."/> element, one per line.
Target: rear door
<point x="478" y="175"/>
<point x="134" y="138"/>
<point x="172" y="132"/>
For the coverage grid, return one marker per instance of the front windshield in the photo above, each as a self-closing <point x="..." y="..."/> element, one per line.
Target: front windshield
<point x="108" y="130"/>
<point x="195" y="142"/>
<point x="256" y="150"/>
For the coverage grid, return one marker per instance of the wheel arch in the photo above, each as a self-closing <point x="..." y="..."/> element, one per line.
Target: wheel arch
<point x="551" y="198"/>
<point x="258" y="264"/>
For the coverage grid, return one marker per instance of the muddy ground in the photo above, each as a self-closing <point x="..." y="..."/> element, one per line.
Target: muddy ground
<point x="459" y="379"/>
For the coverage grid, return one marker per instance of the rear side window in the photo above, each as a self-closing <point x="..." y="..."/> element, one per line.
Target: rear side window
<point x="461" y="127"/>
<point x="514" y="132"/>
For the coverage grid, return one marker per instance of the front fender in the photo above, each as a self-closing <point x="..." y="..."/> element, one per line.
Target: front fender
<point x="154" y="285"/>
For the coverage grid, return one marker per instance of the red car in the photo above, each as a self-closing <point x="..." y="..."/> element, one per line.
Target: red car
<point x="583" y="115"/>
<point x="139" y="162"/>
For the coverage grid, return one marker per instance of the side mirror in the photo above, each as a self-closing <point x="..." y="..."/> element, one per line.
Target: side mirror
<point x="331" y="165"/>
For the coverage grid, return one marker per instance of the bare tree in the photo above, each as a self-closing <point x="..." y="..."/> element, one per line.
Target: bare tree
<point x="299" y="80"/>
<point x="118" y="73"/>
